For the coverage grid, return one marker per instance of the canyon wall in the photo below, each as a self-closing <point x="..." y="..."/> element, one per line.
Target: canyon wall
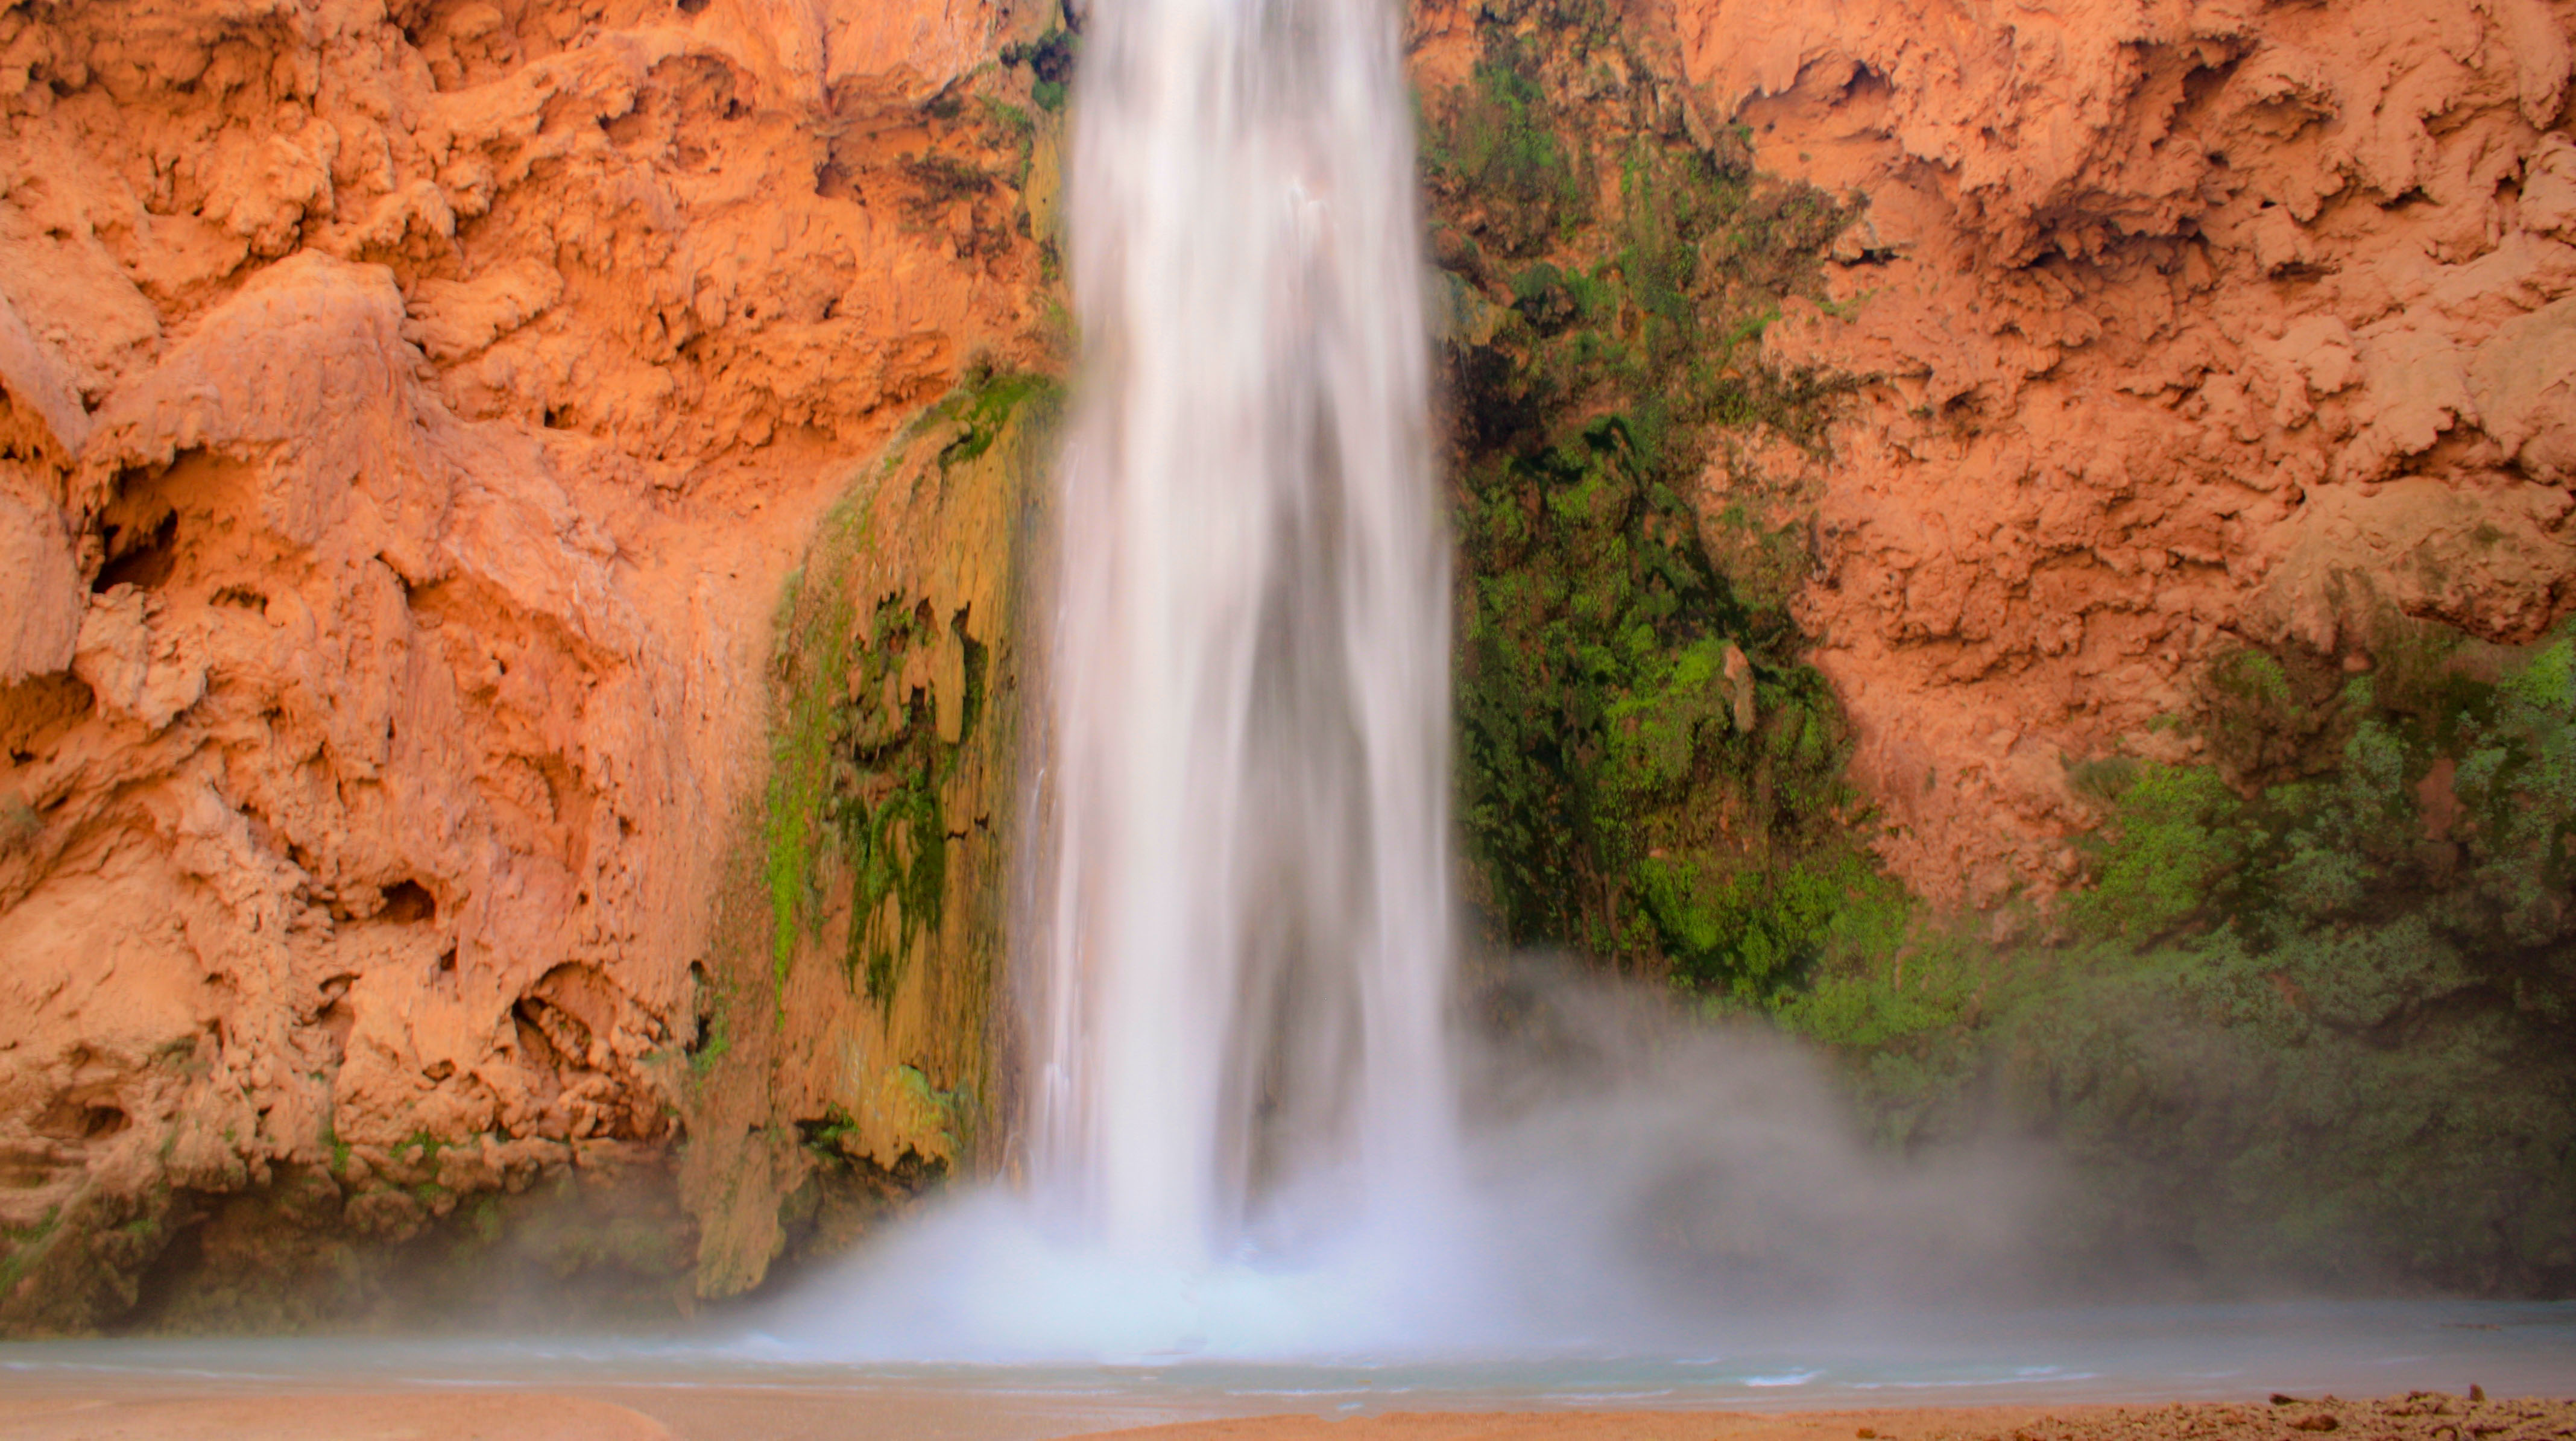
<point x="2186" y="328"/>
<point x="512" y="521"/>
<point x="2027" y="547"/>
<point x="410" y="417"/>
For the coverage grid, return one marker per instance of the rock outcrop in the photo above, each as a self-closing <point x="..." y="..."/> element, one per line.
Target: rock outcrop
<point x="408" y="420"/>
<point x="2188" y="326"/>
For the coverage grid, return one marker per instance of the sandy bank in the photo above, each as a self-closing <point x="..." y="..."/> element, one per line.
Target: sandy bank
<point x="482" y="1416"/>
<point x="2403" y="1418"/>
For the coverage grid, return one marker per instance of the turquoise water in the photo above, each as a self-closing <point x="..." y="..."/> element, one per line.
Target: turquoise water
<point x="2137" y="1353"/>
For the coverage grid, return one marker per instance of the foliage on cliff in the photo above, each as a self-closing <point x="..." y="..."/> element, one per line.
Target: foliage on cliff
<point x="1649" y="772"/>
<point x="2315" y="1018"/>
<point x="2308" y="1015"/>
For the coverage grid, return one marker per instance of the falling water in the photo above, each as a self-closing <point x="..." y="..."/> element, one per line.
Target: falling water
<point x="1246" y="951"/>
<point x="1242" y="1107"/>
<point x="1245" y="1133"/>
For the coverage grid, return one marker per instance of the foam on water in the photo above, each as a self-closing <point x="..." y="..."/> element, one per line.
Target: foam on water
<point x="983" y="1282"/>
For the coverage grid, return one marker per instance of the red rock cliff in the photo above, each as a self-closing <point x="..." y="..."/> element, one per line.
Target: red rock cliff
<point x="2195" y="324"/>
<point x="410" y="420"/>
<point x="407" y="418"/>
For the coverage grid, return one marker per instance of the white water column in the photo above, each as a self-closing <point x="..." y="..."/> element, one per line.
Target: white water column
<point x="1246" y="948"/>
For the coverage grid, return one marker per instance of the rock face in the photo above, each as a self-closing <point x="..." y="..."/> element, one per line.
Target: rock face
<point x="508" y="517"/>
<point x="408" y="419"/>
<point x="2190" y="326"/>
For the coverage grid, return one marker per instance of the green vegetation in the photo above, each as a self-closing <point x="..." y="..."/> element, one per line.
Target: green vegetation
<point x="1650" y="773"/>
<point x="423" y="1146"/>
<point x="2316" y="1028"/>
<point x="983" y="409"/>
<point x="861" y="752"/>
<point x="25" y="1244"/>
<point x="1050" y="58"/>
<point x="813" y="627"/>
<point x="892" y="834"/>
<point x="713" y="1045"/>
<point x="955" y="1107"/>
<point x="2313" y="1011"/>
<point x="1496" y="140"/>
<point x="823" y="1137"/>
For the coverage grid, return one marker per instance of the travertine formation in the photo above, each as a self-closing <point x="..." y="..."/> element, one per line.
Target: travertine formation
<point x="2192" y="324"/>
<point x="407" y="421"/>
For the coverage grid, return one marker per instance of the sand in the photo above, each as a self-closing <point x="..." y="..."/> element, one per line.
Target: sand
<point x="2423" y="1415"/>
<point x="409" y="1416"/>
<point x="823" y="1414"/>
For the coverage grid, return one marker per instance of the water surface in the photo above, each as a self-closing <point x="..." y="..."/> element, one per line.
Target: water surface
<point x="2095" y="1354"/>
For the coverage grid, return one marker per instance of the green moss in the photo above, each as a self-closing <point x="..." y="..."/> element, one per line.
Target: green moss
<point x="892" y="832"/>
<point x="1051" y="59"/>
<point x="983" y="409"/>
<point x="955" y="1107"/>
<point x="1009" y="120"/>
<point x="858" y="763"/>
<point x="1612" y="800"/>
<point x="423" y="1146"/>
<point x="1499" y="137"/>
<point x="813" y="652"/>
<point x="713" y="1041"/>
<point x="824" y="1137"/>
<point x="25" y="1246"/>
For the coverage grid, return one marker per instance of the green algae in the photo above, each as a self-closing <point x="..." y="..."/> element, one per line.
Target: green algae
<point x="859" y="758"/>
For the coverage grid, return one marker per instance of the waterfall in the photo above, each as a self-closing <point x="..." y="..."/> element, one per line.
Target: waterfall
<point x="1244" y="1128"/>
<point x="1243" y="953"/>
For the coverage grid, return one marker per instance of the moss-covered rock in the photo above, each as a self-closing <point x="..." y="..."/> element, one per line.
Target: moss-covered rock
<point x="1650" y="773"/>
<point x="847" y="1056"/>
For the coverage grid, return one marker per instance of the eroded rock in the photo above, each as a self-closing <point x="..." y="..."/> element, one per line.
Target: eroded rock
<point x="407" y="422"/>
<point x="2192" y="327"/>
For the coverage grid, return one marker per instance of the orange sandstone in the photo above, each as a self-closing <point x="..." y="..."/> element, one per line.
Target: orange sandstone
<point x="407" y="420"/>
<point x="2193" y="325"/>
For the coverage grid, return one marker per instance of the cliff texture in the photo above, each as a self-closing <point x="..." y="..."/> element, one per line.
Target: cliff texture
<point x="511" y="517"/>
<point x="408" y="419"/>
<point x="2187" y="327"/>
